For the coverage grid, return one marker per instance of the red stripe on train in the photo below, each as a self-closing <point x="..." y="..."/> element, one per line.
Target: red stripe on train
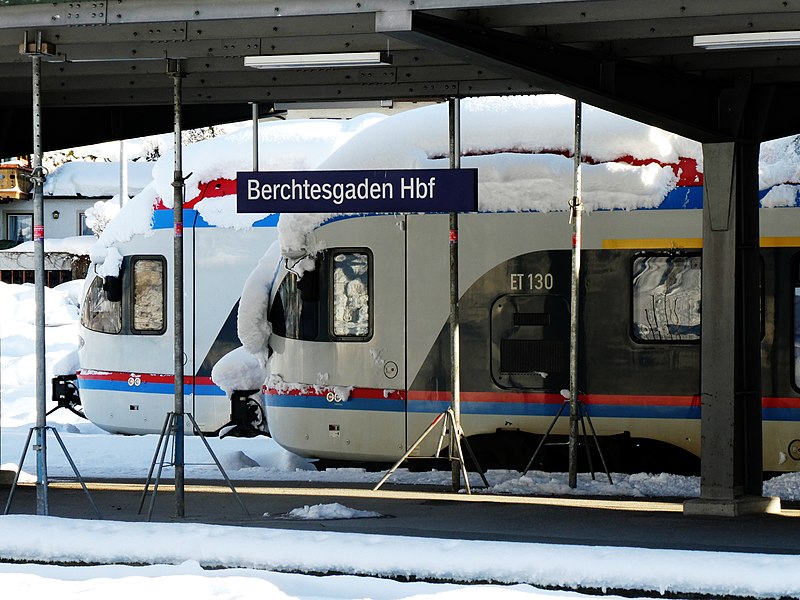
<point x="143" y="377"/>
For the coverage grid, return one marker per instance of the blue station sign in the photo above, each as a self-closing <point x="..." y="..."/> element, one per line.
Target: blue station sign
<point x="385" y="191"/>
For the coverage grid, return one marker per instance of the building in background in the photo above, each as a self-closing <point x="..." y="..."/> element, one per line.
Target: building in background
<point x="69" y="191"/>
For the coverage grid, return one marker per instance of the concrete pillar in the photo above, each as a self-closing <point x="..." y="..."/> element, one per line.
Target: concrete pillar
<point x="731" y="448"/>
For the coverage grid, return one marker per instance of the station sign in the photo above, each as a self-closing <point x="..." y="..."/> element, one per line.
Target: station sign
<point x="377" y="191"/>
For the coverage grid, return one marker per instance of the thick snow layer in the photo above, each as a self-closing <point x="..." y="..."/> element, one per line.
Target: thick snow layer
<point x="692" y="572"/>
<point x="77" y="244"/>
<point x="239" y="370"/>
<point x="282" y="146"/>
<point x="253" y="327"/>
<point x="96" y="179"/>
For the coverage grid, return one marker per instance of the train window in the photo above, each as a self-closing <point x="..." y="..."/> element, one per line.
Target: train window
<point x="350" y="295"/>
<point x="148" y="305"/>
<point x="666" y="298"/>
<point x="797" y="331"/>
<point x="295" y="311"/>
<point x="99" y="313"/>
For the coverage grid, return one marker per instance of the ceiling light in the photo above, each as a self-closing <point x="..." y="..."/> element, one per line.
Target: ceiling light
<point x="310" y="61"/>
<point x="761" y="39"/>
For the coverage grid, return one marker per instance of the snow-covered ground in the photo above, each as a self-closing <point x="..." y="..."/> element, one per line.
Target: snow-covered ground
<point x="178" y="551"/>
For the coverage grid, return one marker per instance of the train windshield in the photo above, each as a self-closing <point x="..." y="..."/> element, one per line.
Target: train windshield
<point x="133" y="303"/>
<point x="100" y="312"/>
<point x="332" y="302"/>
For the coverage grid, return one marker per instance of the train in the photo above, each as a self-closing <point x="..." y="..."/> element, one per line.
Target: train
<point x="359" y="346"/>
<point x="352" y="310"/>
<point x="126" y="376"/>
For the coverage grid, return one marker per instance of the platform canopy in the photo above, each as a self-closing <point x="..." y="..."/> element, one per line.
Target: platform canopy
<point x="106" y="78"/>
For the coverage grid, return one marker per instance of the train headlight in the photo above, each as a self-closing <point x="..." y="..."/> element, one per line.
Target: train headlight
<point x="81" y="343"/>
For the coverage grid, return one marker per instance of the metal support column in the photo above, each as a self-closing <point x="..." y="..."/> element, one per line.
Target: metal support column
<point x="35" y="51"/>
<point x="576" y="214"/>
<point x="454" y="115"/>
<point x="42" y="507"/>
<point x="174" y="70"/>
<point x="578" y="414"/>
<point x="731" y="445"/>
<point x="255" y="136"/>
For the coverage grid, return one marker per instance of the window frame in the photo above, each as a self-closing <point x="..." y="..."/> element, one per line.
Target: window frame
<point x="82" y="224"/>
<point x="9" y="216"/>
<point x="794" y="303"/>
<point x="329" y="257"/>
<point x="129" y="319"/>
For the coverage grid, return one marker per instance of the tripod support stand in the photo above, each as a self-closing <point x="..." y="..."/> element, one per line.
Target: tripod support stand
<point x="583" y="418"/>
<point x="170" y="429"/>
<point x="455" y="451"/>
<point x="42" y="431"/>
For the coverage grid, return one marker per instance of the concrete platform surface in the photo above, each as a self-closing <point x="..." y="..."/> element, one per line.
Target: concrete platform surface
<point x="432" y="512"/>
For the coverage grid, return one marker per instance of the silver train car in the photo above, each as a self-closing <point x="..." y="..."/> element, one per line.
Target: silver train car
<point x="360" y="344"/>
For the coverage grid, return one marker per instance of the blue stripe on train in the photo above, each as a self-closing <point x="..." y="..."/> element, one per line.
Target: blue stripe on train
<point x="163" y="219"/>
<point x="511" y="408"/>
<point x="147" y="388"/>
<point x="549" y="410"/>
<point x="372" y="404"/>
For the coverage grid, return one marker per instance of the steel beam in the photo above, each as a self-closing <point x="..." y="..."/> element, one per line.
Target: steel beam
<point x="683" y="103"/>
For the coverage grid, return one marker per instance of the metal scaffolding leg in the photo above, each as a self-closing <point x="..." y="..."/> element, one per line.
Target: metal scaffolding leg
<point x="582" y="420"/>
<point x="457" y="438"/>
<point x="41" y="433"/>
<point x="170" y="430"/>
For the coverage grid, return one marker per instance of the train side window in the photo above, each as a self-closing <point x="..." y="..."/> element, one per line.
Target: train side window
<point x="99" y="313"/>
<point x="148" y="303"/>
<point x="797" y="327"/>
<point x="666" y="298"/>
<point x="350" y="290"/>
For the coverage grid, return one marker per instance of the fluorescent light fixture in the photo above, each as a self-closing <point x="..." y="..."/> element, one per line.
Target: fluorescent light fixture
<point x="761" y="39"/>
<point x="315" y="61"/>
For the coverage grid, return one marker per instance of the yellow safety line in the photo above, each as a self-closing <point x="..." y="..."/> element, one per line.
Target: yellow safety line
<point x="610" y="503"/>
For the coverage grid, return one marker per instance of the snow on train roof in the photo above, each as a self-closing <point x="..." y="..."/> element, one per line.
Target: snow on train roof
<point x="522" y="147"/>
<point x="299" y="144"/>
<point x="519" y="144"/>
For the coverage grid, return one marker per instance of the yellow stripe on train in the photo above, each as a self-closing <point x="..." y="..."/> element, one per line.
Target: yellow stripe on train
<point x="676" y="243"/>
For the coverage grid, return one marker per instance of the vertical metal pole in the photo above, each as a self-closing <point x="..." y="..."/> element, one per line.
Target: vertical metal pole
<point x="455" y="358"/>
<point x="42" y="507"/>
<point x="575" y="217"/>
<point x="177" y="195"/>
<point x="123" y="174"/>
<point x="255" y="136"/>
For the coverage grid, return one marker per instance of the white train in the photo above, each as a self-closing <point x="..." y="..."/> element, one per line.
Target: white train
<point x="126" y="374"/>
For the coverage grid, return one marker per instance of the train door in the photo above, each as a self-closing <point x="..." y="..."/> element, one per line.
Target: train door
<point x="364" y="416"/>
<point x="428" y="311"/>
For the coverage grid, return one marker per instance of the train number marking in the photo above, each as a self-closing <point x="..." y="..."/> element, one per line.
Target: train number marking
<point x="528" y="282"/>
